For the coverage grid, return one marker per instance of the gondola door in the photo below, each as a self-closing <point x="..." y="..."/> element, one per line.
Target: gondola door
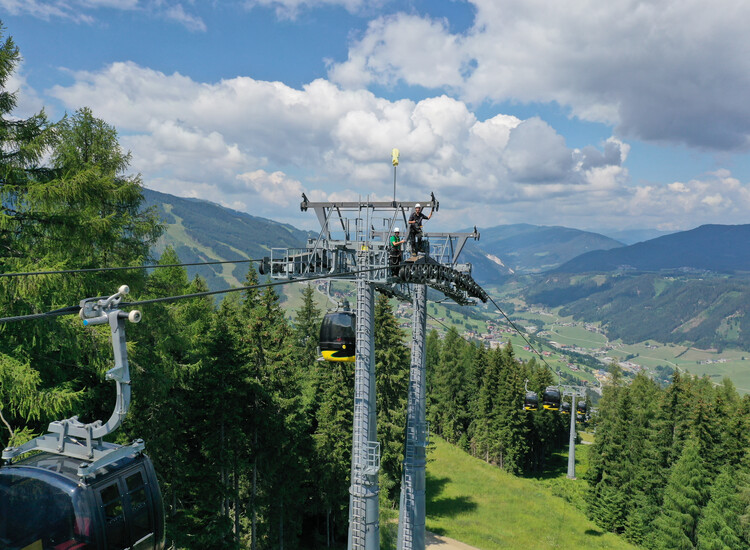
<point x="129" y="513"/>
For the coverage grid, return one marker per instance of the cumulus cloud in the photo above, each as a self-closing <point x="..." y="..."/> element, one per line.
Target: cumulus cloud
<point x="258" y="145"/>
<point x="716" y="197"/>
<point x="245" y="141"/>
<point x="404" y="48"/>
<point x="275" y="187"/>
<point x="664" y="71"/>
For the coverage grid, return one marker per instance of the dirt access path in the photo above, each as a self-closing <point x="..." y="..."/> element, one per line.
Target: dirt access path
<point x="436" y="542"/>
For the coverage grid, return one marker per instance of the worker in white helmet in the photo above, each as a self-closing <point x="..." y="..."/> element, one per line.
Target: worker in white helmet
<point x="415" y="227"/>
<point x="395" y="243"/>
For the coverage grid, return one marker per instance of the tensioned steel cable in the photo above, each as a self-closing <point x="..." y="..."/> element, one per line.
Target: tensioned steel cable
<point x="130" y="267"/>
<point x="72" y="310"/>
<point x="521" y="334"/>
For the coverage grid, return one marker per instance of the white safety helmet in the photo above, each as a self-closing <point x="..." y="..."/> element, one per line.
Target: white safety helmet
<point x="396" y="230"/>
<point x="417" y="205"/>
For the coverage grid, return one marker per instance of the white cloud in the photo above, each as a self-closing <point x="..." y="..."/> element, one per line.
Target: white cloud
<point x="87" y="11"/>
<point x="665" y="71"/>
<point x="242" y="141"/>
<point x="190" y="22"/>
<point x="716" y="197"/>
<point x="28" y="101"/>
<point x="274" y="187"/>
<point x="43" y="9"/>
<point x="289" y="9"/>
<point x="403" y="47"/>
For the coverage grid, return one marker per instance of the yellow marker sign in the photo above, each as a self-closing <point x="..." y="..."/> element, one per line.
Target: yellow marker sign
<point x="395" y="157"/>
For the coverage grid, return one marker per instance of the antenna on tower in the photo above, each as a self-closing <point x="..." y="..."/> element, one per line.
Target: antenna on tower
<point x="395" y="153"/>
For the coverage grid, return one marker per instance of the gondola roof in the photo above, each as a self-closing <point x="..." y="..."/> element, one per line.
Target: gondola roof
<point x="65" y="466"/>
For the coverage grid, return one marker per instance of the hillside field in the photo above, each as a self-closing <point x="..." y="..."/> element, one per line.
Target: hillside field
<point x="483" y="506"/>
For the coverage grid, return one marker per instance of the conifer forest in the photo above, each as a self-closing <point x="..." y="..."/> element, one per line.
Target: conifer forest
<point x="250" y="435"/>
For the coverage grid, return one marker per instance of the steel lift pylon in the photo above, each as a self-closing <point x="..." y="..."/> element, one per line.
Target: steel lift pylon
<point x="573" y="392"/>
<point x="353" y="245"/>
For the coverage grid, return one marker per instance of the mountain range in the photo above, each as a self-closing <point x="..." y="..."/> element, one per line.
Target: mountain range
<point x="525" y="248"/>
<point x="720" y="248"/>
<point x="690" y="286"/>
<point x="200" y="230"/>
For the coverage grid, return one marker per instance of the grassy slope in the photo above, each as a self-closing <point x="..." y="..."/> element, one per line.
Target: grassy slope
<point x="483" y="506"/>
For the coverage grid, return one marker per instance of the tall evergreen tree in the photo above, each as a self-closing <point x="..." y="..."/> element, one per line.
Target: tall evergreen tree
<point x="512" y="431"/>
<point x="23" y="144"/>
<point x="686" y="493"/>
<point x="333" y="445"/>
<point x="719" y="526"/>
<point x="80" y="212"/>
<point x="392" y="382"/>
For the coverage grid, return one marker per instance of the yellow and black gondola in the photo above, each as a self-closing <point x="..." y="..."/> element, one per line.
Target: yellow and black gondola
<point x="551" y="398"/>
<point x="581" y="411"/>
<point x="338" y="336"/>
<point x="531" y="401"/>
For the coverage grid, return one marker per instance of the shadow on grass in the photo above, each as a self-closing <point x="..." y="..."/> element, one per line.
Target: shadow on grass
<point x="555" y="466"/>
<point x="593" y="533"/>
<point x="446" y="507"/>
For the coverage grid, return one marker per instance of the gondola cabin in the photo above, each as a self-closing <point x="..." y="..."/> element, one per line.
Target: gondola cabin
<point x="551" y="398"/>
<point x="531" y="401"/>
<point x="581" y="411"/>
<point x="565" y="407"/>
<point x="338" y="336"/>
<point x="46" y="505"/>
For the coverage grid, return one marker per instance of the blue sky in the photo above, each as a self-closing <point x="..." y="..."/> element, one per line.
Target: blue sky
<point x="600" y="116"/>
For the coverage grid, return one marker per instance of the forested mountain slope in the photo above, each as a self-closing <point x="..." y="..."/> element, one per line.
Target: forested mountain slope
<point x="721" y="248"/>
<point x="708" y="311"/>
<point x="200" y="230"/>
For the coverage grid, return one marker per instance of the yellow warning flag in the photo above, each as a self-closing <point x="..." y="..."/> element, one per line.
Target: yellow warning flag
<point x="395" y="157"/>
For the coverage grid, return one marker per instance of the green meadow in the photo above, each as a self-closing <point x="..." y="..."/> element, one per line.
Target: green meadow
<point x="481" y="505"/>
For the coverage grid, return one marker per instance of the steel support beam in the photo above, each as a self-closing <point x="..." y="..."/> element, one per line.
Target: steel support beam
<point x="411" y="523"/>
<point x="364" y="514"/>
<point x="572" y="441"/>
<point x="573" y="392"/>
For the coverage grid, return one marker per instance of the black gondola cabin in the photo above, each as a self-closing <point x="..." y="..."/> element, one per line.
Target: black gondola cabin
<point x="565" y="407"/>
<point x="551" y="398"/>
<point x="531" y="401"/>
<point x="581" y="410"/>
<point x="338" y="336"/>
<point x="45" y="505"/>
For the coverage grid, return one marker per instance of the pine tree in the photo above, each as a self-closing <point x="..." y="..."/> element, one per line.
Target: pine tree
<point x="448" y="413"/>
<point x="684" y="496"/>
<point x="23" y="143"/>
<point x="333" y="444"/>
<point x="392" y="382"/>
<point x="719" y="526"/>
<point x="306" y="333"/>
<point x="512" y="431"/>
<point x="647" y="483"/>
<point x="483" y="409"/>
<point x="279" y="466"/>
<point x="609" y="471"/>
